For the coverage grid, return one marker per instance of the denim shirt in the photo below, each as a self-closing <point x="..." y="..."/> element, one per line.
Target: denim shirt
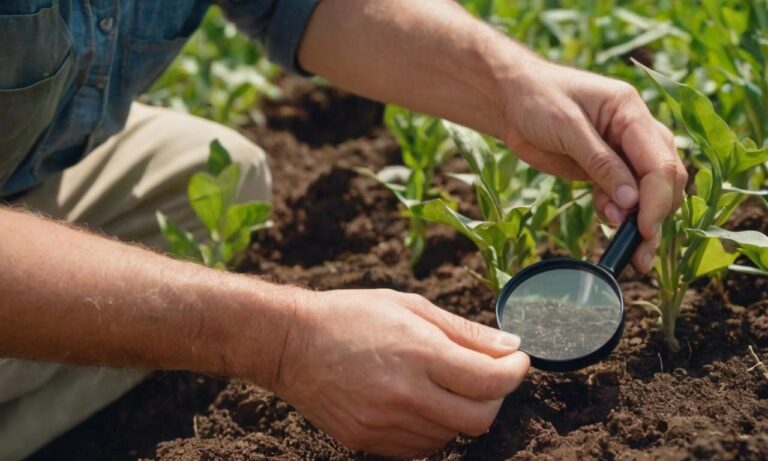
<point x="70" y="69"/>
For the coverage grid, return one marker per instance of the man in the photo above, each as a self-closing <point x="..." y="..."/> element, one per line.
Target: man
<point x="379" y="370"/>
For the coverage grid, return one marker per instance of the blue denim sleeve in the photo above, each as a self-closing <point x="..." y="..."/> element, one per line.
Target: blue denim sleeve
<point x="277" y="24"/>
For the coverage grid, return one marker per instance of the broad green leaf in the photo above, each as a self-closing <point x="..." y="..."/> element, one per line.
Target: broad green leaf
<point x="439" y="211"/>
<point x="704" y="183"/>
<point x="206" y="199"/>
<point x="753" y="244"/>
<point x="502" y="277"/>
<point x="694" y="208"/>
<point x="699" y="118"/>
<point x="478" y="156"/>
<point x="218" y="159"/>
<point x="228" y="180"/>
<point x="493" y="236"/>
<point x="713" y="258"/>
<point x="513" y="221"/>
<point x="181" y="243"/>
<point x="746" y="158"/>
<point x="245" y="216"/>
<point x="240" y="243"/>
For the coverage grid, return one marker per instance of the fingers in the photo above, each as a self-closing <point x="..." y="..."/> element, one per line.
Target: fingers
<point x="606" y="168"/>
<point x="552" y="163"/>
<point x="608" y="211"/>
<point x="471" y="335"/>
<point x="477" y="376"/>
<point x="471" y="417"/>
<point x="643" y="258"/>
<point x="650" y="148"/>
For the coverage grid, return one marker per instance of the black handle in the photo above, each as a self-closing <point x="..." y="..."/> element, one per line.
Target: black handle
<point x="622" y="246"/>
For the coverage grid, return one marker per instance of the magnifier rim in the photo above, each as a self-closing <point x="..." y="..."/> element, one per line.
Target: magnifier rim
<point x="565" y="263"/>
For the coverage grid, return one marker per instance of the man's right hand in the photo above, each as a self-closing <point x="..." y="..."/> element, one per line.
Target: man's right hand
<point x="390" y="373"/>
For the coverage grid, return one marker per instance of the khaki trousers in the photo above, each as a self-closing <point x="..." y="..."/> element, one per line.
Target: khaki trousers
<point x="116" y="190"/>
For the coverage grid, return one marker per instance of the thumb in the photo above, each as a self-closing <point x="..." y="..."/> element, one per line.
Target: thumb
<point x="471" y="335"/>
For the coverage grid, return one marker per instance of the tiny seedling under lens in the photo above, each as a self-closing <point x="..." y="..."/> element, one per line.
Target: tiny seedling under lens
<point x="212" y="196"/>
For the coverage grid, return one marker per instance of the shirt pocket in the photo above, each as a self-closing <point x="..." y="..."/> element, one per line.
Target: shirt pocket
<point x="37" y="57"/>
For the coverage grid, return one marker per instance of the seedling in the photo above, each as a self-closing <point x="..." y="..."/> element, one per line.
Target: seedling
<point x="504" y="234"/>
<point x="212" y="195"/>
<point x="425" y="146"/>
<point x="691" y="245"/>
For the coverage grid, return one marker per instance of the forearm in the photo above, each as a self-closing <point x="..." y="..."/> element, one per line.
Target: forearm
<point x="430" y="56"/>
<point x="71" y="296"/>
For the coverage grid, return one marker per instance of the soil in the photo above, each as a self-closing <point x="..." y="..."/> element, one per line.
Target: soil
<point x="558" y="331"/>
<point x="338" y="229"/>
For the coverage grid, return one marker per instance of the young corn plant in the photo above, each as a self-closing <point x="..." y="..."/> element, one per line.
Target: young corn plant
<point x="425" y="146"/>
<point x="504" y="234"/>
<point x="691" y="245"/>
<point x="212" y="196"/>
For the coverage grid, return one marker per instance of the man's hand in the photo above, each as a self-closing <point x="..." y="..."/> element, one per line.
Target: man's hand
<point x="392" y="374"/>
<point x="579" y="125"/>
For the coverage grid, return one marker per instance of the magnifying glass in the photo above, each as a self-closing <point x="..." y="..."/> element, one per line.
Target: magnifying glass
<point x="567" y="312"/>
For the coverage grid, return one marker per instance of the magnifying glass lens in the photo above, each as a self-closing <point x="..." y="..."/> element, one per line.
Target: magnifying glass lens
<point x="562" y="313"/>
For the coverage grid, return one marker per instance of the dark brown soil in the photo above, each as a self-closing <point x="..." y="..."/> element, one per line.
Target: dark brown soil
<point x="337" y="229"/>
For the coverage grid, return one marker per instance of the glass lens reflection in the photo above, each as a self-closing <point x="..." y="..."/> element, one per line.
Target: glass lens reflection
<point x="562" y="314"/>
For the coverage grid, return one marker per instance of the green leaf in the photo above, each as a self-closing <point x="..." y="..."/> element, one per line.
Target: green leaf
<point x="746" y="158"/>
<point x="228" y="180"/>
<point x="513" y="221"/>
<point x="502" y="277"/>
<point x="698" y="115"/>
<point x="414" y="188"/>
<point x="181" y="243"/>
<point x="440" y="212"/>
<point x="218" y="159"/>
<point x="481" y="161"/>
<point x="398" y="190"/>
<point x="206" y="199"/>
<point x="239" y="244"/>
<point x="704" y="183"/>
<point x="245" y="216"/>
<point x="694" y="208"/>
<point x="753" y="244"/>
<point x="713" y="257"/>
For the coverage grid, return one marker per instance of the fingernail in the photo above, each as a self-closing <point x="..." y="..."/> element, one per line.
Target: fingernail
<point x="648" y="261"/>
<point x="613" y="214"/>
<point x="508" y="340"/>
<point x="626" y="196"/>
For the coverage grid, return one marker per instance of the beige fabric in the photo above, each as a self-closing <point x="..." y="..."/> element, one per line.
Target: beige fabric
<point x="116" y="189"/>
